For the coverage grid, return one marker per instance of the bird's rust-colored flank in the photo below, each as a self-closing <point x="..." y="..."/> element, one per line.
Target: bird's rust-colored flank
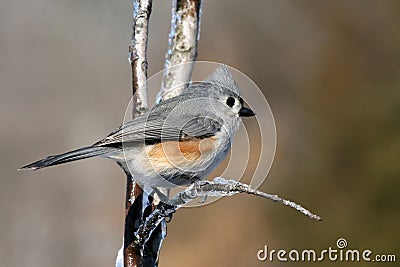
<point x="181" y="153"/>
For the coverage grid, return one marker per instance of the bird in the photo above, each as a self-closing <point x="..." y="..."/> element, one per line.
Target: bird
<point x="177" y="142"/>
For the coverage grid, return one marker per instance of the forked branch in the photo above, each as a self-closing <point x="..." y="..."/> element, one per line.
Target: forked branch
<point x="183" y="41"/>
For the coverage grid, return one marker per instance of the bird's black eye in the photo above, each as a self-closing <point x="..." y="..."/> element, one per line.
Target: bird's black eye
<point x="230" y="101"/>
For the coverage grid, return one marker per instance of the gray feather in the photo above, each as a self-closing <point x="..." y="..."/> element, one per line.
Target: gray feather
<point x="155" y="128"/>
<point x="82" y="153"/>
<point x="223" y="77"/>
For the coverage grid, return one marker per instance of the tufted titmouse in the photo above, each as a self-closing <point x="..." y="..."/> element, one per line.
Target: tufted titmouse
<point x="179" y="141"/>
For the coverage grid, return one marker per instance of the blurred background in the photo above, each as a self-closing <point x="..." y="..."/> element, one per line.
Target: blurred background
<point x="329" y="69"/>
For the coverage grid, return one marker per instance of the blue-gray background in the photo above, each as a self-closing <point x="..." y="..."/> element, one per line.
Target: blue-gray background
<point x="330" y="70"/>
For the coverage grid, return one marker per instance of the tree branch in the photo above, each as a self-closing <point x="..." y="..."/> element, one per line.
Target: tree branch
<point x="138" y="55"/>
<point x="182" y="47"/>
<point x="136" y="200"/>
<point x="219" y="187"/>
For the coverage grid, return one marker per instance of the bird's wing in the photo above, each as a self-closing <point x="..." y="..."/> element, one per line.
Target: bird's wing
<point x="155" y="128"/>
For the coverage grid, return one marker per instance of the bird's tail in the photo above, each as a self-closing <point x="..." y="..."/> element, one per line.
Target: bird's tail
<point x="82" y="153"/>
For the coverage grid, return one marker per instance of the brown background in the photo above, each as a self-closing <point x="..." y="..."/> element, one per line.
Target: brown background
<point x="329" y="69"/>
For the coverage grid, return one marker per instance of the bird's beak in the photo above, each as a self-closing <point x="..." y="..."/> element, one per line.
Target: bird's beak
<point x="246" y="112"/>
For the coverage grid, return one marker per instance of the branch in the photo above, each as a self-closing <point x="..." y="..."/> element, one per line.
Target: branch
<point x="182" y="47"/>
<point x="219" y="187"/>
<point x="138" y="55"/>
<point x="136" y="200"/>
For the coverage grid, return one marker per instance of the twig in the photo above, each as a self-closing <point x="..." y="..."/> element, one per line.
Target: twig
<point x="219" y="187"/>
<point x="182" y="47"/>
